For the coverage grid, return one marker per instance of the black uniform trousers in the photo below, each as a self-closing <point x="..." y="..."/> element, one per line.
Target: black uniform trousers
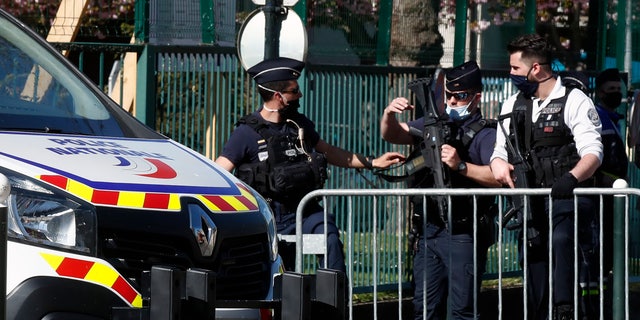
<point x="444" y="273"/>
<point x="562" y="253"/>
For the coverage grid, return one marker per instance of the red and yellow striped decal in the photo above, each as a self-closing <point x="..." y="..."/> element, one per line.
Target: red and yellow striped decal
<point x="94" y="272"/>
<point x="245" y="201"/>
<point x="148" y="200"/>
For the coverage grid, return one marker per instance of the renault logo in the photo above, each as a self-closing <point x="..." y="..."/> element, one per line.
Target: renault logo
<point x="203" y="228"/>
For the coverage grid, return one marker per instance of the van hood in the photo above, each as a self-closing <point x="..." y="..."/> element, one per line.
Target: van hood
<point x="124" y="172"/>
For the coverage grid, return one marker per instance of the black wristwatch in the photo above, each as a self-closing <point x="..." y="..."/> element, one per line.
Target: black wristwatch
<point x="462" y="166"/>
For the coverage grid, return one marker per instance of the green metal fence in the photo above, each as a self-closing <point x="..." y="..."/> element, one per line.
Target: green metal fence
<point x="200" y="96"/>
<point x="195" y="94"/>
<point x="202" y="91"/>
<point x="388" y="271"/>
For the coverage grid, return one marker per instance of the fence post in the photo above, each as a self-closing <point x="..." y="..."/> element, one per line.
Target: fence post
<point x="207" y="21"/>
<point x="619" y="275"/>
<point x="145" y="104"/>
<point x="384" y="33"/>
<point x="459" y="42"/>
<point x="141" y="27"/>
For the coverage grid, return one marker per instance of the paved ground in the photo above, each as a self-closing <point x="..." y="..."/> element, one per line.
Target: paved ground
<point x="511" y="300"/>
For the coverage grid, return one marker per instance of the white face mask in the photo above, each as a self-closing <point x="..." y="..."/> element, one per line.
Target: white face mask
<point x="458" y="113"/>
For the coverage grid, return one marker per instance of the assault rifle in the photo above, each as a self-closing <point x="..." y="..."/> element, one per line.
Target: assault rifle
<point x="436" y="133"/>
<point x="514" y="217"/>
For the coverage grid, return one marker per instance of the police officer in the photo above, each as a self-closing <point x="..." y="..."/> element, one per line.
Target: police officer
<point x="560" y="132"/>
<point x="609" y="97"/>
<point x="615" y="161"/>
<point x="445" y="247"/>
<point x="278" y="152"/>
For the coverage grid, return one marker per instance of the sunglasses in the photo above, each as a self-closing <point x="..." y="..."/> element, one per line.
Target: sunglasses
<point x="292" y="91"/>
<point x="463" y="95"/>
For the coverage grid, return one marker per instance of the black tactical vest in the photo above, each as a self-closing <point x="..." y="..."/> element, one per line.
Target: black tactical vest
<point x="551" y="148"/>
<point x="461" y="206"/>
<point x="287" y="169"/>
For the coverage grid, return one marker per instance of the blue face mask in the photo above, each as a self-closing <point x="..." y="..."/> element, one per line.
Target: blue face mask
<point x="523" y="84"/>
<point x="458" y="113"/>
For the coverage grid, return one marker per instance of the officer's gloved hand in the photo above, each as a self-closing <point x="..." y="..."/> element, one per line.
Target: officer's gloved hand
<point x="563" y="187"/>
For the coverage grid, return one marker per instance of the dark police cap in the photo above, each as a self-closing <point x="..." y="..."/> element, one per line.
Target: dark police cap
<point x="277" y="69"/>
<point x="607" y="75"/>
<point x="463" y="77"/>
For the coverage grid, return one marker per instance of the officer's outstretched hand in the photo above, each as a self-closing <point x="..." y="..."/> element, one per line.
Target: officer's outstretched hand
<point x="563" y="187"/>
<point x="399" y="105"/>
<point x="388" y="159"/>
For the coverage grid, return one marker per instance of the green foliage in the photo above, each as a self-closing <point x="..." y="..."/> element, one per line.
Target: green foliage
<point x="357" y="19"/>
<point x="109" y="18"/>
<point x="102" y="19"/>
<point x="415" y="35"/>
<point x="501" y="11"/>
<point x="337" y="12"/>
<point x="34" y="14"/>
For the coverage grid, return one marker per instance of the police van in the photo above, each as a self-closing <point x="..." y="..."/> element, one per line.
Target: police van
<point x="104" y="213"/>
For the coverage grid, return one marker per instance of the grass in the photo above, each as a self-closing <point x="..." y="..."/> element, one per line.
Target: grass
<point x="393" y="295"/>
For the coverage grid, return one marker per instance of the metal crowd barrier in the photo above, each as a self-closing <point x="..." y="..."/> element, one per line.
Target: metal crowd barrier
<point x="624" y="197"/>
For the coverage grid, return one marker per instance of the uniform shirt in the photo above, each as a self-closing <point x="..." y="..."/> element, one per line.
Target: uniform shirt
<point x="242" y="146"/>
<point x="580" y="116"/>
<point x="609" y="120"/>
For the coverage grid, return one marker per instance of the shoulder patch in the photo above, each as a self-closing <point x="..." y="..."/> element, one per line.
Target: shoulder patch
<point x="594" y="117"/>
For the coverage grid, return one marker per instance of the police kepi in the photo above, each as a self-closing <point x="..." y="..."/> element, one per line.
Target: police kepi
<point x="277" y="69"/>
<point x="464" y="77"/>
<point x="463" y="83"/>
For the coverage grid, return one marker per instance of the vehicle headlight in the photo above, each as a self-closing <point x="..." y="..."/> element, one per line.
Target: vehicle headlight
<point x="39" y="213"/>
<point x="265" y="209"/>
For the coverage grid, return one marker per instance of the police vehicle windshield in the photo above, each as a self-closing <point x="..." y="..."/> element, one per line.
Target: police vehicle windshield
<point x="41" y="92"/>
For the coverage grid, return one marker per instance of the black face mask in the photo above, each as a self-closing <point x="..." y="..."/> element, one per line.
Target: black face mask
<point x="612" y="99"/>
<point x="523" y="84"/>
<point x="290" y="109"/>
